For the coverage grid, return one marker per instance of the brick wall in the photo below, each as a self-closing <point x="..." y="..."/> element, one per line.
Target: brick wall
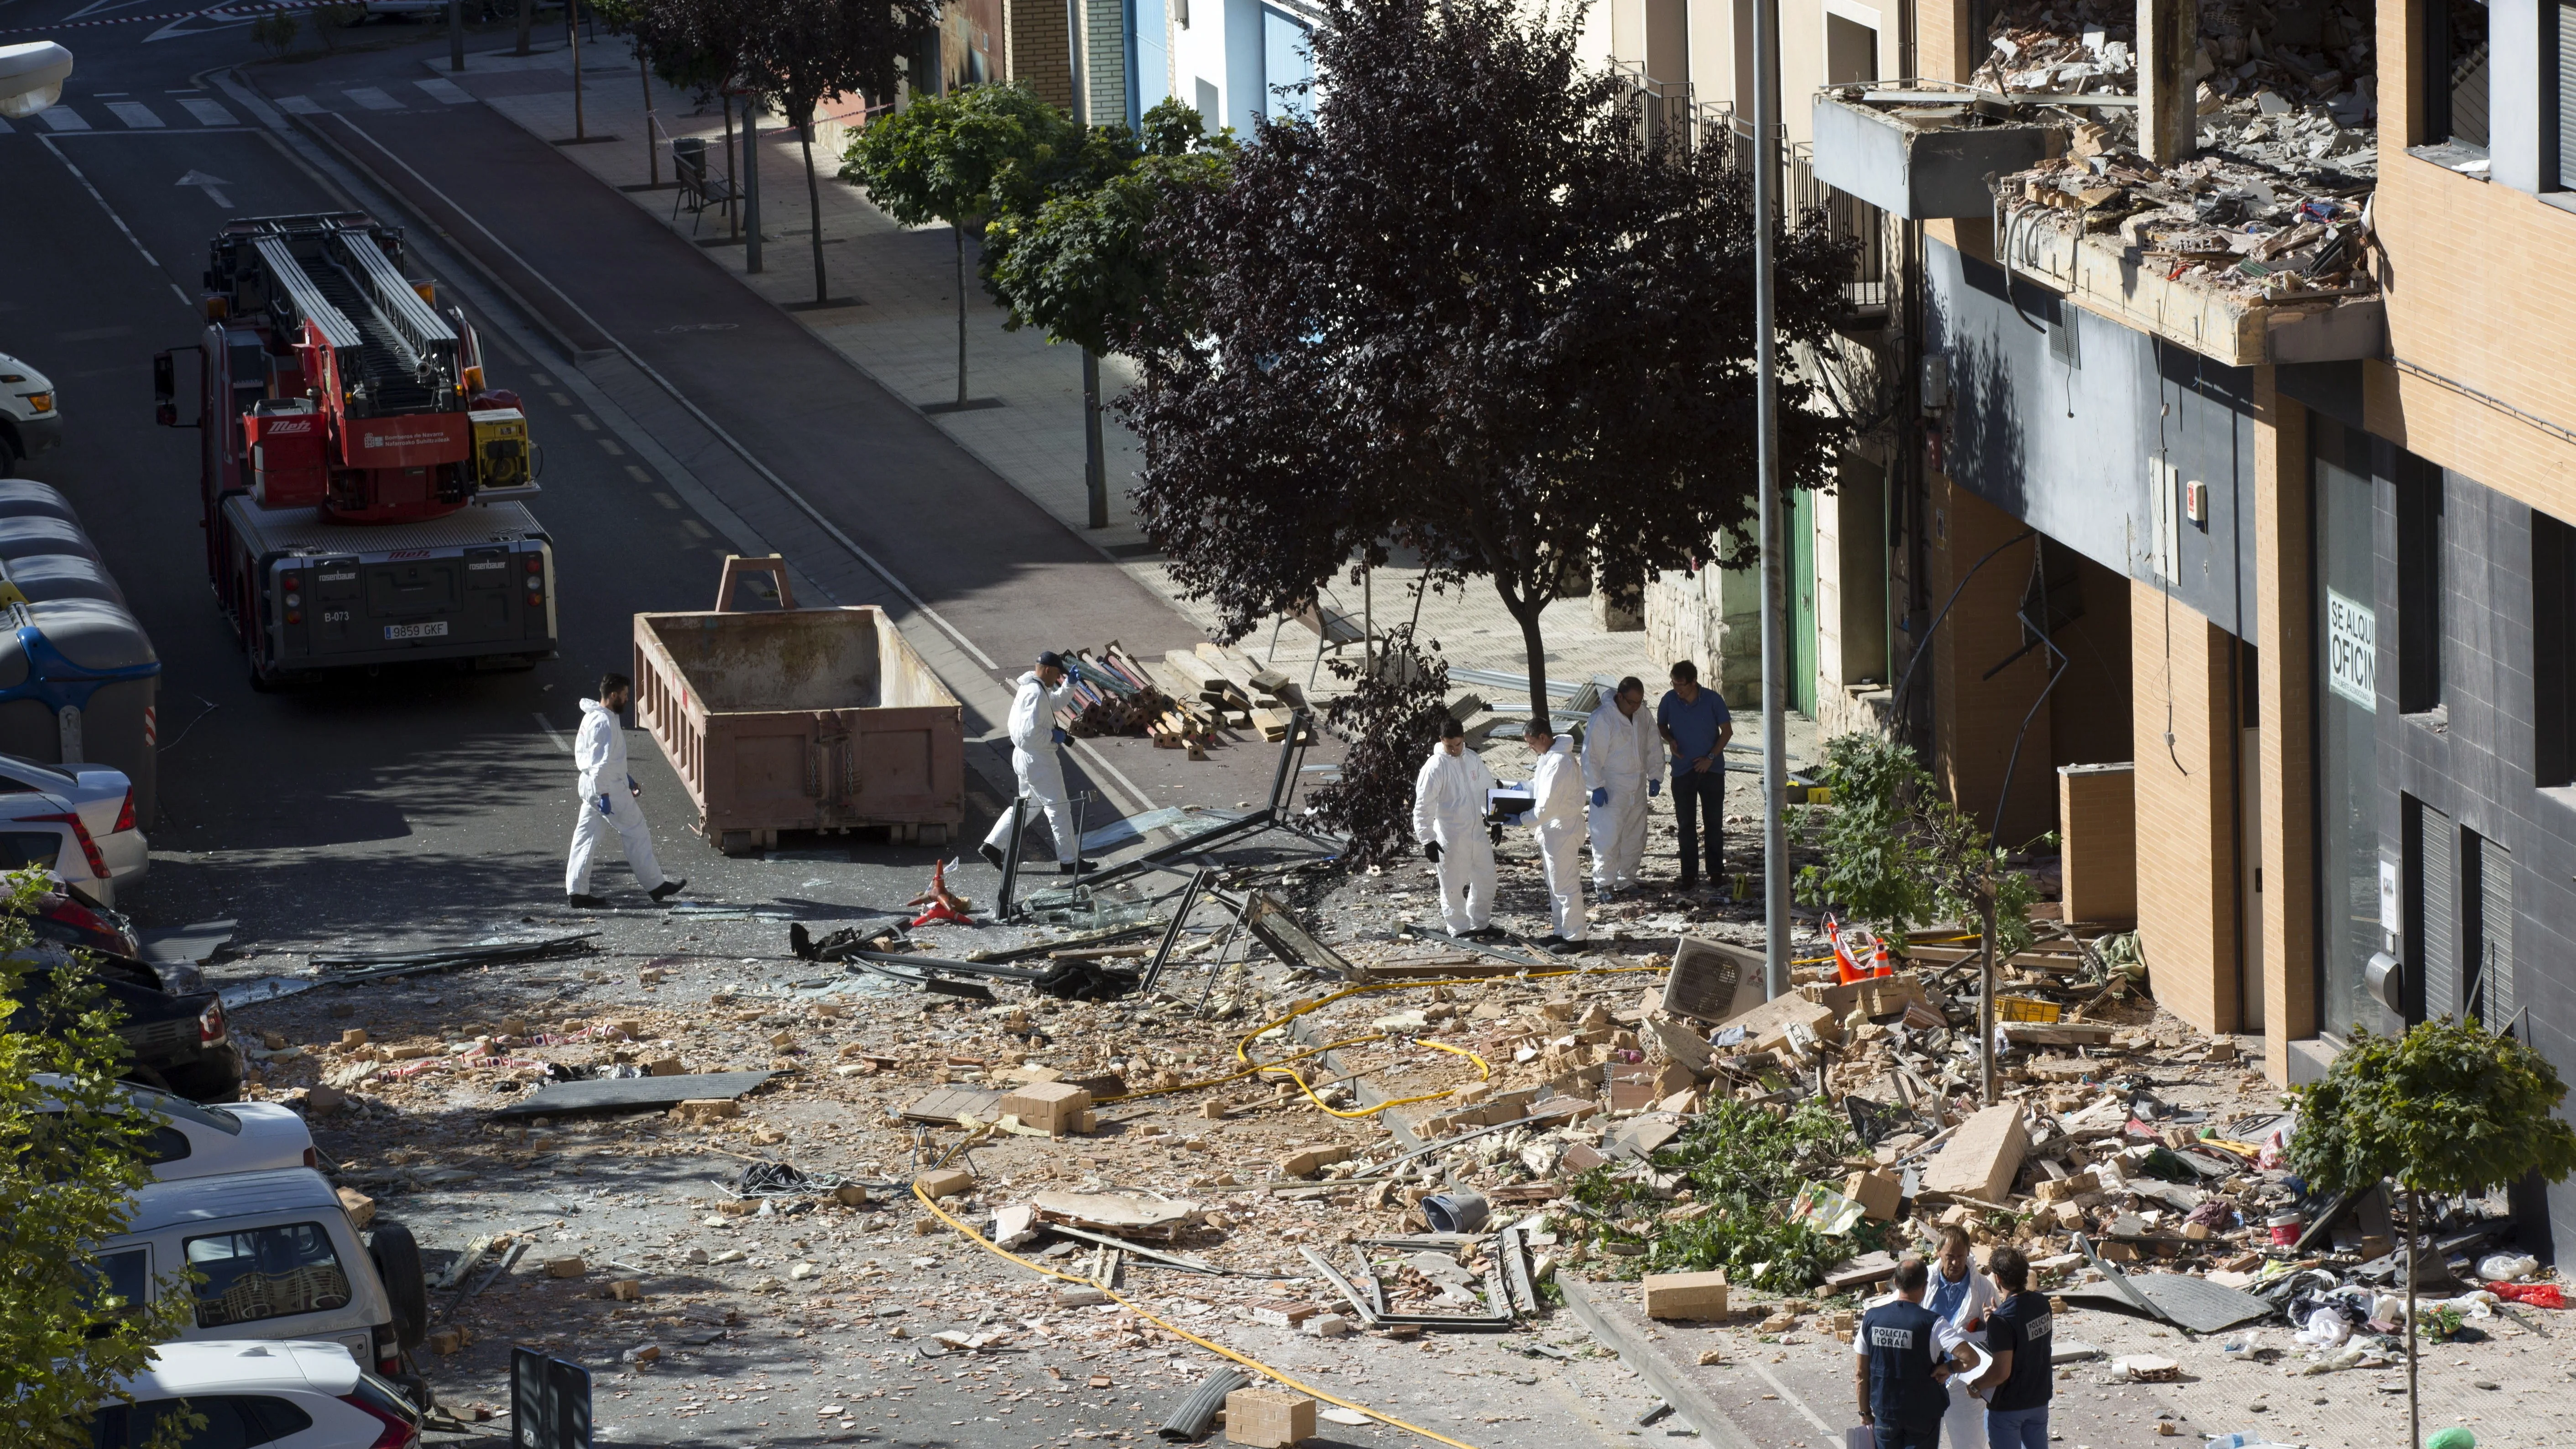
<point x="1104" y="26"/>
<point x="2186" y="798"/>
<point x="2097" y="808"/>
<point x="1975" y="720"/>
<point x="1034" y="53"/>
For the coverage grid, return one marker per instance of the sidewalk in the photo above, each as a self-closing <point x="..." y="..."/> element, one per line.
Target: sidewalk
<point x="904" y="335"/>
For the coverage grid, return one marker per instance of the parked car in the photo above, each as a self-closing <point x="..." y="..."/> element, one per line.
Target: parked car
<point x="76" y="821"/>
<point x="279" y="1259"/>
<point x="191" y="1140"/>
<point x="31" y="418"/>
<point x="281" y="1395"/>
<point x="67" y="915"/>
<point x="177" y="1040"/>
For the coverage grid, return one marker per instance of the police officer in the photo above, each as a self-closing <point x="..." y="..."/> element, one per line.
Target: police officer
<point x="1900" y="1365"/>
<point x="2018" y="1334"/>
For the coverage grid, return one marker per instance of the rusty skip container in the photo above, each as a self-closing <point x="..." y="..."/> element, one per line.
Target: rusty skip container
<point x="801" y="719"/>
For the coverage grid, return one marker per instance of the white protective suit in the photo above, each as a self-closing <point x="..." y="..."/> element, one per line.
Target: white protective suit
<point x="1620" y="754"/>
<point x="599" y="751"/>
<point x="1449" y="807"/>
<point x="1557" y="785"/>
<point x="1033" y="759"/>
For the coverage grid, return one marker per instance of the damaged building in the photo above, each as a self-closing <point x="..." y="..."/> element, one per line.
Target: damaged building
<point x="2227" y="486"/>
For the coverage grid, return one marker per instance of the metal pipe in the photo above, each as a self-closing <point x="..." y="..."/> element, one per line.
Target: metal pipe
<point x="1774" y="523"/>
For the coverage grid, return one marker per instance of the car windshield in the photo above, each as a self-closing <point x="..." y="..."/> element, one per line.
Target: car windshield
<point x="180" y="1109"/>
<point x="268" y="1272"/>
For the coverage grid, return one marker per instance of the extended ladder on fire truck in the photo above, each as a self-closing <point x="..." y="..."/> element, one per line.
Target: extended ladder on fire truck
<point x="406" y="354"/>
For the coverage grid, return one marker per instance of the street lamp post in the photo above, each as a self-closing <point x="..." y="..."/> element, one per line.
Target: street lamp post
<point x="1774" y="519"/>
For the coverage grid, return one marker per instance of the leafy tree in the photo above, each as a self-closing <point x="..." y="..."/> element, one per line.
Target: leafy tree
<point x="1079" y="265"/>
<point x="942" y="157"/>
<point x="1390" y="718"/>
<point x="1466" y="311"/>
<point x="69" y="1176"/>
<point x="800" y="52"/>
<point x="2447" y="1109"/>
<point x="1897" y="855"/>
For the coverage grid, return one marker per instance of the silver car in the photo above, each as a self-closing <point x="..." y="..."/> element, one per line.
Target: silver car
<point x="74" y="820"/>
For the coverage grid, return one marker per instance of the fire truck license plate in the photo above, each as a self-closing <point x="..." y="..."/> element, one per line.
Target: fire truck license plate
<point x="434" y="629"/>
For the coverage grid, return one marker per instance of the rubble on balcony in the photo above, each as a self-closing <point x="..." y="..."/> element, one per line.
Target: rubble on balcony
<point x="2229" y="259"/>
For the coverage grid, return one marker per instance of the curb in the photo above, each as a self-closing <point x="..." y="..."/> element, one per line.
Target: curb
<point x="1688" y="1400"/>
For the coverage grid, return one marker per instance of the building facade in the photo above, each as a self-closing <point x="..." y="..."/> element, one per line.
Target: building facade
<point x="2242" y="443"/>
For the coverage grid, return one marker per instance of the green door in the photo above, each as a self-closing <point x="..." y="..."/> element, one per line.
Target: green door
<point x="1802" y="602"/>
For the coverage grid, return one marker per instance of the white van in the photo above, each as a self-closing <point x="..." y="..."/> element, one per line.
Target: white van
<point x="279" y="1259"/>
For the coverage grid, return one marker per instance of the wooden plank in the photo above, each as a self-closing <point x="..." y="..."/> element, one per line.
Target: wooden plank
<point x="2063" y="1033"/>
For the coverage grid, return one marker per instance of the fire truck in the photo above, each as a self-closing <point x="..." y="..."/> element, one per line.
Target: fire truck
<point x="361" y="481"/>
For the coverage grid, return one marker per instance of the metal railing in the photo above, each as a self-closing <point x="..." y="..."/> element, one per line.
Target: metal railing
<point x="1846" y="216"/>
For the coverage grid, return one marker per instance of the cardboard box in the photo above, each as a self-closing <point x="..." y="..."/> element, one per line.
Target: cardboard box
<point x="1695" y="1297"/>
<point x="1054" y="1108"/>
<point x="1268" y="1418"/>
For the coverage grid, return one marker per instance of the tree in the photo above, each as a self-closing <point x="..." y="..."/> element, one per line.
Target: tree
<point x="800" y="53"/>
<point x="1465" y="310"/>
<point x="1390" y="719"/>
<point x="2447" y="1109"/>
<point x="1075" y="262"/>
<point x="69" y="1176"/>
<point x="940" y="158"/>
<point x="1897" y="854"/>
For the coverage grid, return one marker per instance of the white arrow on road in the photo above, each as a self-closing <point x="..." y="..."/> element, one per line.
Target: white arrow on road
<point x="210" y="185"/>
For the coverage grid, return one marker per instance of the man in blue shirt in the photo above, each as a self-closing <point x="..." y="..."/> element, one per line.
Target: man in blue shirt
<point x="1696" y="725"/>
<point x="1901" y="1365"/>
<point x="2018" y="1334"/>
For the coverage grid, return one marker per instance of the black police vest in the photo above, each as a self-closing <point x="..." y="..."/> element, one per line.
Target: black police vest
<point x="1901" y="1358"/>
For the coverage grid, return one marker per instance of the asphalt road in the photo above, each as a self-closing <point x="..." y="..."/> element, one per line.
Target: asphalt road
<point x="369" y="805"/>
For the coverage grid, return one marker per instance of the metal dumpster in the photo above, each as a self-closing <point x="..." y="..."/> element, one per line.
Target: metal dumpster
<point x="801" y="719"/>
<point x="79" y="681"/>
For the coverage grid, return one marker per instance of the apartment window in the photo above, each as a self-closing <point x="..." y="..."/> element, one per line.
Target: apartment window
<point x="2553" y="651"/>
<point x="2419" y="585"/>
<point x="2486" y="888"/>
<point x="1851" y="51"/>
<point x="2563" y="93"/>
<point x="2455" y="74"/>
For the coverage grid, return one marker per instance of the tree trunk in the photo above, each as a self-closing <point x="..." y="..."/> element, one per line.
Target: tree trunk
<point x="527" y="24"/>
<point x="652" y="148"/>
<point x="957" y="231"/>
<point x="1536" y="649"/>
<point x="1986" y="1006"/>
<point x="572" y="33"/>
<point x="1095" y="461"/>
<point x="814" y="199"/>
<point x="733" y="180"/>
<point x="2414" y="1406"/>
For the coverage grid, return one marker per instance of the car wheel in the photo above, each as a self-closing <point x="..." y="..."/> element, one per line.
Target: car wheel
<point x="397" y="1256"/>
<point x="10" y="457"/>
<point x="205" y="1082"/>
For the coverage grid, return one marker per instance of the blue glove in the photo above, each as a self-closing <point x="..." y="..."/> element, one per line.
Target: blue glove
<point x="1654" y="787"/>
<point x="603" y="806"/>
<point x="1061" y="737"/>
<point x="1601" y="796"/>
<point x="1073" y="670"/>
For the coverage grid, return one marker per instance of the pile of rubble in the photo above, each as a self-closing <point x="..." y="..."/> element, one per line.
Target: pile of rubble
<point x="2217" y="223"/>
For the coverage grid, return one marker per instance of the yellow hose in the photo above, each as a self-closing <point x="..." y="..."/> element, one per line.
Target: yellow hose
<point x="1220" y="1350"/>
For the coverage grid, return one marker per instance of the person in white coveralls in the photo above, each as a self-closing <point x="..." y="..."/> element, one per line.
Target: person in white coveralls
<point x="1623" y="764"/>
<point x="1034" y="738"/>
<point x="1449" y="803"/>
<point x="608" y="800"/>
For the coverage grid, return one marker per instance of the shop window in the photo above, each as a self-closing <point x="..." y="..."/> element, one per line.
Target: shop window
<point x="2347" y="695"/>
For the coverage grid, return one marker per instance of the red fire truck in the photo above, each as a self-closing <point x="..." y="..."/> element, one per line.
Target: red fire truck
<point x="361" y="480"/>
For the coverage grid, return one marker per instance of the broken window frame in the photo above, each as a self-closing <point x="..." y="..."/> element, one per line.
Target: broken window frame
<point x="2442" y="94"/>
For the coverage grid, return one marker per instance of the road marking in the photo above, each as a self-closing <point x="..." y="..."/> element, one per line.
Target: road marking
<point x="640" y="476"/>
<point x="136" y="115"/>
<point x="209" y="113"/>
<point x="446" y="91"/>
<point x="676" y="395"/>
<point x="695" y="528"/>
<point x="614" y="451"/>
<point x="211" y="185"/>
<point x="146" y="252"/>
<point x="372" y="98"/>
<point x="300" y="106"/>
<point x="63" y="118"/>
<point x="583" y="422"/>
<point x="552" y="733"/>
<point x="665" y="499"/>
